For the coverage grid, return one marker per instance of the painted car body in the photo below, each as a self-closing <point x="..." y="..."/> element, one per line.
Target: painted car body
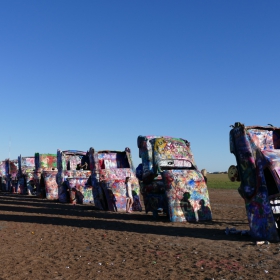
<point x="3" y="175"/>
<point x="25" y="175"/>
<point x="109" y="171"/>
<point x="257" y="152"/>
<point x="170" y="179"/>
<point x="45" y="176"/>
<point x="2" y="168"/>
<point x="73" y="177"/>
<point x="11" y="169"/>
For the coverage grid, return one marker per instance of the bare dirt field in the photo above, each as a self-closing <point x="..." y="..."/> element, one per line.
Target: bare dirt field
<point x="42" y="239"/>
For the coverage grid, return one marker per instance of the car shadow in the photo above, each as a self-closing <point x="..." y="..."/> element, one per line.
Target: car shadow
<point x="82" y="216"/>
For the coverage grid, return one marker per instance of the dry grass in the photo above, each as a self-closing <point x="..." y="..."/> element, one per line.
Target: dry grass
<point x="221" y="181"/>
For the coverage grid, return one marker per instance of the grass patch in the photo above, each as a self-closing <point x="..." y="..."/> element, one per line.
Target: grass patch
<point x="221" y="181"/>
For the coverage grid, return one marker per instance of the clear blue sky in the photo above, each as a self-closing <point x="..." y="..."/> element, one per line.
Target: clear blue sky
<point x="80" y="74"/>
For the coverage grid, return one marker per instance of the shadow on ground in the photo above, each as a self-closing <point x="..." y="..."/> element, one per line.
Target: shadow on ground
<point x="41" y="211"/>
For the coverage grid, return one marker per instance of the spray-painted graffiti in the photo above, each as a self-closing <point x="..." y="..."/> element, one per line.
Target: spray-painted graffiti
<point x="13" y="168"/>
<point x="45" y="176"/>
<point x="3" y="175"/>
<point x="2" y="168"/>
<point x="10" y="178"/>
<point x="45" y="161"/>
<point x="51" y="188"/>
<point x="109" y="171"/>
<point x="257" y="152"/>
<point x="172" y="148"/>
<point x="26" y="166"/>
<point x="187" y="196"/>
<point x="73" y="177"/>
<point x="171" y="180"/>
<point x="38" y="182"/>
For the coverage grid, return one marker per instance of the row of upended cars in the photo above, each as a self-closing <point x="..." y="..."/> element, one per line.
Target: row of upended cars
<point x="167" y="178"/>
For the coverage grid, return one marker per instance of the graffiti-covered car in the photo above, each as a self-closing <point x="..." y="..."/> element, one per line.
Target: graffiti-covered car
<point x="25" y="175"/>
<point x="73" y="177"/>
<point x="3" y="175"/>
<point x="170" y="179"/>
<point x="11" y="170"/>
<point x="45" y="176"/>
<point x="257" y="153"/>
<point x="109" y="172"/>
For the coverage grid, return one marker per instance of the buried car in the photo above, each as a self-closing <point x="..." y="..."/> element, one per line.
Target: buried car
<point x="170" y="180"/>
<point x="45" y="176"/>
<point x="109" y="172"/>
<point x="26" y="166"/>
<point x="257" y="153"/>
<point x="73" y="177"/>
<point x="11" y="167"/>
<point x="3" y="175"/>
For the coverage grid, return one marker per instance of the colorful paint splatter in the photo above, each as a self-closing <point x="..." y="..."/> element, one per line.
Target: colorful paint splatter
<point x="109" y="171"/>
<point x="45" y="176"/>
<point x="171" y="180"/>
<point x="26" y="166"/>
<point x="74" y="177"/>
<point x="257" y="152"/>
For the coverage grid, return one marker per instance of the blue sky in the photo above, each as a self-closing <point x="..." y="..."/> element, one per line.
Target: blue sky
<point x="80" y="74"/>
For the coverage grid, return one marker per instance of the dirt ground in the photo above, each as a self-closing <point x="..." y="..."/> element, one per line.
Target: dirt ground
<point x="42" y="239"/>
